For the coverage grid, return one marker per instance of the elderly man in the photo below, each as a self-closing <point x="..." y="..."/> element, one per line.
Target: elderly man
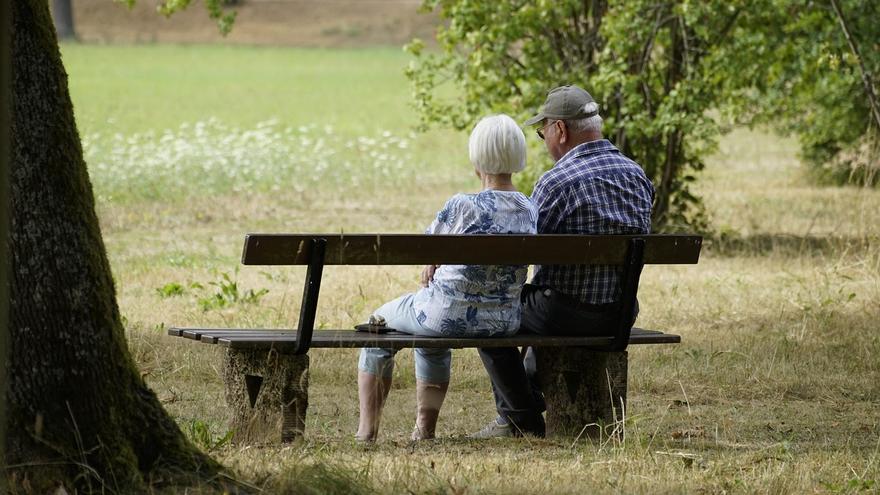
<point x="592" y="189"/>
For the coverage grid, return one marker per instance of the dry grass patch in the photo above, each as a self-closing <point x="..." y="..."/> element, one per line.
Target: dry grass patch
<point x="774" y="388"/>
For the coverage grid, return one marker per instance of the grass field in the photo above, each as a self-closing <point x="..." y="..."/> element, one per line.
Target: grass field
<point x="775" y="388"/>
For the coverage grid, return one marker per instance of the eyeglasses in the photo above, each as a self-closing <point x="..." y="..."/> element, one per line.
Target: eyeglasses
<point x="540" y="131"/>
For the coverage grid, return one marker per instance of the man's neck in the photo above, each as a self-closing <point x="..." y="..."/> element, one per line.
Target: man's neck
<point x="576" y="140"/>
<point x="585" y="137"/>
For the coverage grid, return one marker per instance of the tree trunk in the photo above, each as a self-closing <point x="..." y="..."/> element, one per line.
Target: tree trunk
<point x="5" y="124"/>
<point x="78" y="412"/>
<point x="672" y="160"/>
<point x="62" y="14"/>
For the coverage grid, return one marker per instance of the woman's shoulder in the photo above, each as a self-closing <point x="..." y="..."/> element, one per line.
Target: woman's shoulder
<point x="490" y="201"/>
<point x="457" y="201"/>
<point x="517" y="199"/>
<point x="463" y="201"/>
<point x="458" y="198"/>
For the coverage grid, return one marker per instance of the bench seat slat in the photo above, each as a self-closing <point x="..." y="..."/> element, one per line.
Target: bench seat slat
<point x="285" y="338"/>
<point x="410" y="249"/>
<point x="203" y="333"/>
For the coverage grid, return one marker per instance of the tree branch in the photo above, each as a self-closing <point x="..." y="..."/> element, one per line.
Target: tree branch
<point x="726" y="29"/>
<point x="867" y="79"/>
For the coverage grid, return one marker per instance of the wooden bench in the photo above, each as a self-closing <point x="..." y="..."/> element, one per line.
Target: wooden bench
<point x="583" y="378"/>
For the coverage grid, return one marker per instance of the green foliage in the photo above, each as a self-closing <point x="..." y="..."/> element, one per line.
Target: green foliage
<point x="224" y="19"/>
<point x="853" y="485"/>
<point x="790" y="65"/>
<point x="169" y="290"/>
<point x="228" y="294"/>
<point x="644" y="61"/>
<point x="669" y="75"/>
<point x="216" y="11"/>
<point x="200" y="434"/>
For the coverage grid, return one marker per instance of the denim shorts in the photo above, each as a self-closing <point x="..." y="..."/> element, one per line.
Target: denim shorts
<point x="432" y="365"/>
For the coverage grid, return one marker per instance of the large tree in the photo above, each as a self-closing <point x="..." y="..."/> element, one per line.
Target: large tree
<point x="5" y="112"/>
<point x="78" y="412"/>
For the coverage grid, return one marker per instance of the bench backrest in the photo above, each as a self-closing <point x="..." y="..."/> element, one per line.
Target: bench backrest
<point x="406" y="249"/>
<point x="630" y="252"/>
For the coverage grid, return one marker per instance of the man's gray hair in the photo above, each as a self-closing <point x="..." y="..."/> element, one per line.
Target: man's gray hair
<point x="497" y="145"/>
<point x="589" y="124"/>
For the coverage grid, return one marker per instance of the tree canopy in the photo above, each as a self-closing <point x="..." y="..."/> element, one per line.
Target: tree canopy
<point x="670" y="75"/>
<point x="804" y="76"/>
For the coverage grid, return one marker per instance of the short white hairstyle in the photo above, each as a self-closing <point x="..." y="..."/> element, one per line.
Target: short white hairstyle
<point x="497" y="145"/>
<point x="589" y="124"/>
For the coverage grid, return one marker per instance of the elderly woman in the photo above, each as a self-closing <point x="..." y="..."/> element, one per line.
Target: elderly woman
<point x="457" y="300"/>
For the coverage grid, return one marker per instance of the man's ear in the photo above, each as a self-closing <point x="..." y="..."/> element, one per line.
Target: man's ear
<point x="563" y="131"/>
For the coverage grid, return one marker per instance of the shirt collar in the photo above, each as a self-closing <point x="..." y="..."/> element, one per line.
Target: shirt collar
<point x="588" y="148"/>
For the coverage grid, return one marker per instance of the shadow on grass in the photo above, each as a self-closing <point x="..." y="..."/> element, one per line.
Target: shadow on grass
<point x="787" y="244"/>
<point x="322" y="478"/>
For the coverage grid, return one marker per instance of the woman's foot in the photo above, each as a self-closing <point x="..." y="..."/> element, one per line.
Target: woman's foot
<point x="429" y="400"/>
<point x="418" y="437"/>
<point x="372" y="391"/>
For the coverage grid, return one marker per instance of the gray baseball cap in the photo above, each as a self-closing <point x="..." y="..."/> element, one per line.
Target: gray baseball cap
<point x="564" y="103"/>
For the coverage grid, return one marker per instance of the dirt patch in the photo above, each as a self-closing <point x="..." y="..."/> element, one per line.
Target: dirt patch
<point x="313" y="23"/>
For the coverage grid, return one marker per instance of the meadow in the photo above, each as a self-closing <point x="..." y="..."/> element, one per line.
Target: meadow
<point x="774" y="389"/>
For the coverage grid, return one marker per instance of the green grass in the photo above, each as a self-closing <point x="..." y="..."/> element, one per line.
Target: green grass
<point x="774" y="389"/>
<point x="137" y="88"/>
<point x="172" y="122"/>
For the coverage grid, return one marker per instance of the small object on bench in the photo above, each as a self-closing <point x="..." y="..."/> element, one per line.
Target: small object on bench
<point x="376" y="325"/>
<point x="584" y="378"/>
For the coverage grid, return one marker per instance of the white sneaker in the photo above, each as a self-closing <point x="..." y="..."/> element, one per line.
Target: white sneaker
<point x="493" y="430"/>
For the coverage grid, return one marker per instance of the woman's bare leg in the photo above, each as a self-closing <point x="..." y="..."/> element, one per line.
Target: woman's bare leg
<point x="429" y="400"/>
<point x="372" y="391"/>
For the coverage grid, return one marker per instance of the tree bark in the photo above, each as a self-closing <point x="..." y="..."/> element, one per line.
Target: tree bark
<point x="78" y="412"/>
<point x="5" y="124"/>
<point x="62" y="14"/>
<point x="672" y="160"/>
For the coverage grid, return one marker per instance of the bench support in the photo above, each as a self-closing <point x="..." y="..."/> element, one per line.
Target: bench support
<point x="267" y="392"/>
<point x="317" y="249"/>
<point x="585" y="391"/>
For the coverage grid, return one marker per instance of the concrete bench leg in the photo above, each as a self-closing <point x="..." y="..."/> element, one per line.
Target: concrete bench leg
<point x="583" y="388"/>
<point x="267" y="393"/>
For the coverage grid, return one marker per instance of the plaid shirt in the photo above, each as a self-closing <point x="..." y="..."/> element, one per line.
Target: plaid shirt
<point x="593" y="189"/>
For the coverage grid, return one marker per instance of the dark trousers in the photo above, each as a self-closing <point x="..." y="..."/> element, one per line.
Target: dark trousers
<point x="518" y="397"/>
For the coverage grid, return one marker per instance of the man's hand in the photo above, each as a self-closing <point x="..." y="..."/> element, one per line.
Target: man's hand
<point x="428" y="274"/>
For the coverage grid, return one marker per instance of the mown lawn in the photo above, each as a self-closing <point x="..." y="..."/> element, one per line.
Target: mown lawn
<point x="775" y="388"/>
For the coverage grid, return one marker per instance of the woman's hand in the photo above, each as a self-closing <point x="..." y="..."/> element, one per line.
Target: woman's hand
<point x="428" y="274"/>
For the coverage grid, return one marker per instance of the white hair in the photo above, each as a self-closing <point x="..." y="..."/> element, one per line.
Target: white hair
<point x="497" y="145"/>
<point x="589" y="124"/>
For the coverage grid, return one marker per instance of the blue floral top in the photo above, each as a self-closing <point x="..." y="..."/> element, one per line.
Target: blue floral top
<point x="477" y="300"/>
